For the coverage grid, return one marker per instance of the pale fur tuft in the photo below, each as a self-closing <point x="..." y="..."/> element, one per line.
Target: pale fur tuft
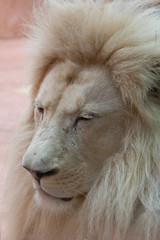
<point x="124" y="203"/>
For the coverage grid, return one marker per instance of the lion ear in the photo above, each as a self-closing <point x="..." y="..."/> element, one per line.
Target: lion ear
<point x="154" y="91"/>
<point x="140" y="85"/>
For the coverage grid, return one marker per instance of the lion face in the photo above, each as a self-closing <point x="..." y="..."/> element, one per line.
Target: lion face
<point x="79" y="125"/>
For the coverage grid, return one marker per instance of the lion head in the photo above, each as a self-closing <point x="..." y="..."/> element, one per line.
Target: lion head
<point x="79" y="122"/>
<point x="90" y="138"/>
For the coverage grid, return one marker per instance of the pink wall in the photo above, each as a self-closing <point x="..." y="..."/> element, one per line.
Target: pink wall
<point x="13" y="14"/>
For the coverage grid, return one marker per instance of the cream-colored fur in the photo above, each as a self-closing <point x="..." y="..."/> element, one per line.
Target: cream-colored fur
<point x="95" y="71"/>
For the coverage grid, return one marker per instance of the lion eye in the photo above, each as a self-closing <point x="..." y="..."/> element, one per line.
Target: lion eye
<point x="38" y="113"/>
<point x="40" y="110"/>
<point x="84" y="118"/>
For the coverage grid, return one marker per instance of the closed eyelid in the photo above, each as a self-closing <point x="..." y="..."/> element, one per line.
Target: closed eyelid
<point x="87" y="115"/>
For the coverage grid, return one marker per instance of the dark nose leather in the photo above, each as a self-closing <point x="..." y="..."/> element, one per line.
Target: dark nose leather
<point x="38" y="175"/>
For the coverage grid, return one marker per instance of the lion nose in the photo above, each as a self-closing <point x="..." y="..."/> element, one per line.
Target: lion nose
<point x="38" y="175"/>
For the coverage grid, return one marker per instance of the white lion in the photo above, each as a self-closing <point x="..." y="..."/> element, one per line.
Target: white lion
<point x="90" y="139"/>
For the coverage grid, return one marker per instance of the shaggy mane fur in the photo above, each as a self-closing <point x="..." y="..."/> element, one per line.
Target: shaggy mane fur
<point x="124" y="203"/>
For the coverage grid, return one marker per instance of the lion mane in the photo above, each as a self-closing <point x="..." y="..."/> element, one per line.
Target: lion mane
<point x="124" y="201"/>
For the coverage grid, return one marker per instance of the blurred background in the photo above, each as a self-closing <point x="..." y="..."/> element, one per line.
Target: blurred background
<point x="14" y="14"/>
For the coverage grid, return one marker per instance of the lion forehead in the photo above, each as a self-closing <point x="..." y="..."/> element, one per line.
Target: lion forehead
<point x="88" y="89"/>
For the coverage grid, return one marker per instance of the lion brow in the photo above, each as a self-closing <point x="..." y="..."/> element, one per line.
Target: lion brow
<point x="37" y="103"/>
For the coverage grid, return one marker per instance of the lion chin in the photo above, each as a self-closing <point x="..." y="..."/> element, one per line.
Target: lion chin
<point x="85" y="162"/>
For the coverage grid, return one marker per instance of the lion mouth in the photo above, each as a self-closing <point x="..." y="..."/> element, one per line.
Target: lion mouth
<point x="37" y="187"/>
<point x="67" y="199"/>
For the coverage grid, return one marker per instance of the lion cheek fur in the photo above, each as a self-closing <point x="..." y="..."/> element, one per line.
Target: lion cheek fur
<point x="79" y="39"/>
